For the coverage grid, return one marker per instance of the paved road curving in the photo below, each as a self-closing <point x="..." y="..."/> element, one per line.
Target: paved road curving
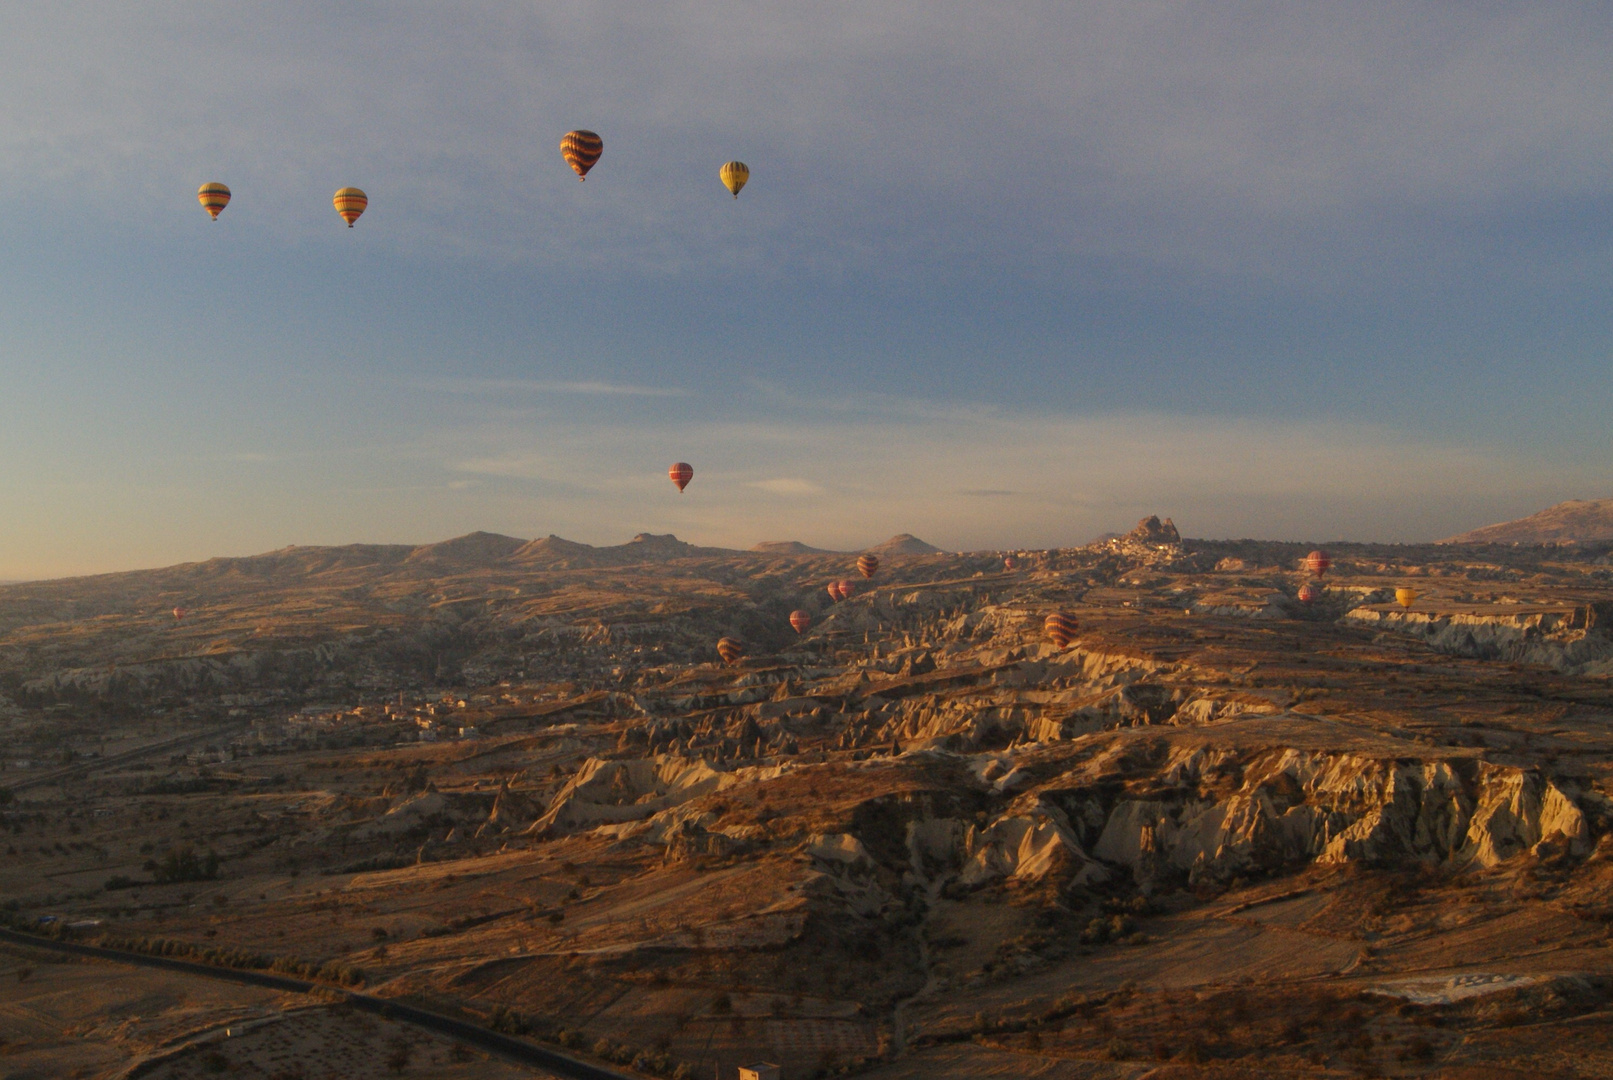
<point x="505" y="1046"/>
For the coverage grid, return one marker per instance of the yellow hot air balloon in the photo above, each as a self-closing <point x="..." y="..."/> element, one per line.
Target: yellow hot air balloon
<point x="350" y="203"/>
<point x="1405" y="597"/>
<point x="581" y="149"/>
<point x="214" y="197"/>
<point x="733" y="176"/>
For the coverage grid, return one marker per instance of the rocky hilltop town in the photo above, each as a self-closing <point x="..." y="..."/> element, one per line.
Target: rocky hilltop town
<point x="1241" y="814"/>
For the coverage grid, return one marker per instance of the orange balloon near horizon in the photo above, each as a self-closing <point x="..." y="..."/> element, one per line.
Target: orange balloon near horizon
<point x="1060" y="629"/>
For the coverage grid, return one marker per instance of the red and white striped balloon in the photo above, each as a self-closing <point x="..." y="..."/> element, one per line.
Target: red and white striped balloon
<point x="800" y="620"/>
<point x="681" y="473"/>
<point x="1317" y="562"/>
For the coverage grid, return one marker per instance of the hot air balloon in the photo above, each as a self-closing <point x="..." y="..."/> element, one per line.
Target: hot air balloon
<point x="681" y="474"/>
<point x="179" y="613"/>
<point x="730" y="649"/>
<point x="1060" y="628"/>
<point x="868" y="565"/>
<point x="350" y="203"/>
<point x="848" y="589"/>
<point x="213" y="197"/>
<point x="581" y="149"/>
<point x="1317" y="562"/>
<point x="1405" y="597"/>
<point x="800" y="620"/>
<point x="1308" y="593"/>
<point x="733" y="176"/>
<point x="1010" y="564"/>
<point x="834" y="592"/>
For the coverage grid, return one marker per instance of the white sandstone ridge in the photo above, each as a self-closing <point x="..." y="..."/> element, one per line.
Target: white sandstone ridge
<point x="606" y="793"/>
<point x="1300" y="806"/>
<point x="1570" y="638"/>
<point x="1028" y="843"/>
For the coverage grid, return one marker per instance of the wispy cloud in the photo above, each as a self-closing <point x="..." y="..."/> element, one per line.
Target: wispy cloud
<point x="539" y="386"/>
<point x="789" y="486"/>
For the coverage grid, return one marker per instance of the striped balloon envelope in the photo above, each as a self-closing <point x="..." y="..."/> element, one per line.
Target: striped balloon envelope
<point x="848" y="589"/>
<point x="867" y="565"/>
<point x="730" y="649"/>
<point x="1060" y="628"/>
<point x="800" y="620"/>
<point x="581" y="149"/>
<point x="733" y="176"/>
<point x="1317" y="562"/>
<point x="214" y="198"/>
<point x="350" y="203"/>
<point x="834" y="592"/>
<point x="1406" y="597"/>
<point x="1308" y="593"/>
<point x="681" y="473"/>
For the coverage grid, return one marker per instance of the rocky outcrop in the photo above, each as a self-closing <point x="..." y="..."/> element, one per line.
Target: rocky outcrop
<point x="1567" y="639"/>
<point x="1294" y="807"/>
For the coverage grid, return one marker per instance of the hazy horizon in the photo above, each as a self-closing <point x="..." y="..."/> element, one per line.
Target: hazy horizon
<point x="1004" y="278"/>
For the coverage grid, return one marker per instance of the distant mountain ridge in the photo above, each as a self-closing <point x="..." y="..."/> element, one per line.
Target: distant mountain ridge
<point x="476" y="551"/>
<point x="1577" y="521"/>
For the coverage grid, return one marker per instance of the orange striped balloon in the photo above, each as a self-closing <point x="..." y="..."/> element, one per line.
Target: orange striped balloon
<point x="800" y="620"/>
<point x="681" y="473"/>
<point x="848" y="589"/>
<point x="1308" y="593"/>
<point x="213" y="197"/>
<point x="581" y="149"/>
<point x="1060" y="628"/>
<point x="350" y="203"/>
<point x="868" y="565"/>
<point x="730" y="649"/>
<point x="1317" y="562"/>
<point x="834" y="592"/>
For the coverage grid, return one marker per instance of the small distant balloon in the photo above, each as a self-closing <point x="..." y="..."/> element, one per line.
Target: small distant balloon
<point x="681" y="474"/>
<point x="214" y="198"/>
<point x="1317" y="562"/>
<point x="179" y="613"/>
<point x="848" y="589"/>
<point x="730" y="649"/>
<point x="581" y="149"/>
<point x="350" y="203"/>
<point x="868" y="565"/>
<point x="1010" y="563"/>
<point x="1308" y="593"/>
<point x="800" y="620"/>
<point x="1405" y="597"/>
<point x="1060" y="629"/>
<point x="834" y="592"/>
<point x="733" y="176"/>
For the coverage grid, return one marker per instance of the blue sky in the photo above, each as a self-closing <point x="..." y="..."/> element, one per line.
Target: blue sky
<point x="1009" y="274"/>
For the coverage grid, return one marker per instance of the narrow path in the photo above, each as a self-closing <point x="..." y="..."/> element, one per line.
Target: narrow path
<point x="505" y="1046"/>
